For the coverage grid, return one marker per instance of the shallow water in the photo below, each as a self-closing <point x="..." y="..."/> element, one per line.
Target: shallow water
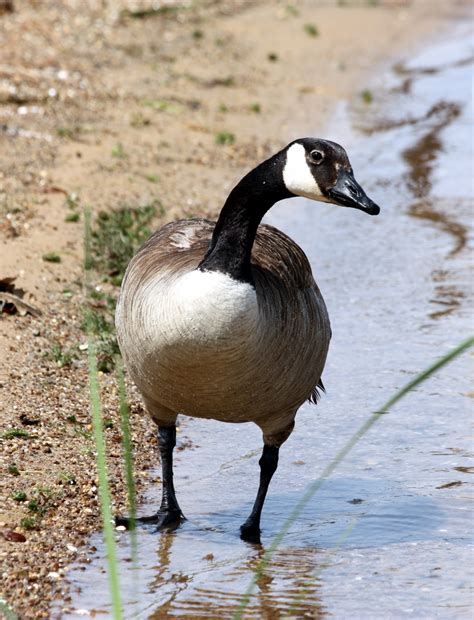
<point x="389" y="534"/>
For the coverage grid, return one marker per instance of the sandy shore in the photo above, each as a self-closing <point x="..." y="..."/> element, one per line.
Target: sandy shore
<point x="106" y="109"/>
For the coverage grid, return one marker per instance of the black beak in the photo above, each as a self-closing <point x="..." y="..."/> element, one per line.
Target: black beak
<point x="348" y="193"/>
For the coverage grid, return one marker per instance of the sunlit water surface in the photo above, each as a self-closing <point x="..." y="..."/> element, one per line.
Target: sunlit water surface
<point x="389" y="534"/>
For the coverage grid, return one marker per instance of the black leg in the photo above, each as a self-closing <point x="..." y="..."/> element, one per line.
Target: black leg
<point x="250" y="530"/>
<point x="169" y="514"/>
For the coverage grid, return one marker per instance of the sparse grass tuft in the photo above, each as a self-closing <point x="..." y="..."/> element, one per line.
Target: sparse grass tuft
<point x="255" y="107"/>
<point x="72" y="217"/>
<point x="116" y="236"/>
<point x="19" y="496"/>
<point x="367" y="96"/>
<point x="62" y="356"/>
<point x="69" y="132"/>
<point x="100" y="323"/>
<point x="52" y="257"/>
<point x="29" y="523"/>
<point x="65" y="132"/>
<point x="67" y="477"/>
<point x="225" y="137"/>
<point x="113" y="241"/>
<point x="311" y="30"/>
<point x="33" y="506"/>
<point x="118" y="151"/>
<point x="291" y="10"/>
<point x="152" y="178"/>
<point x="16" y="432"/>
<point x="158" y="104"/>
<point x="13" y="470"/>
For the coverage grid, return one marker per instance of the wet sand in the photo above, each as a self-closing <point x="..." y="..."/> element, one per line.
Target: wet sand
<point x="164" y="102"/>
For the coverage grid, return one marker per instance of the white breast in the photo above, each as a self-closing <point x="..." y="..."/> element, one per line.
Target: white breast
<point x="197" y="309"/>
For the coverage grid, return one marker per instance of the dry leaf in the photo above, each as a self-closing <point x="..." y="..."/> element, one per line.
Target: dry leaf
<point x="11" y="299"/>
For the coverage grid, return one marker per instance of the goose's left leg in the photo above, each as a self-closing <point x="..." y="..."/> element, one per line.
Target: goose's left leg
<point x="250" y="530"/>
<point x="169" y="513"/>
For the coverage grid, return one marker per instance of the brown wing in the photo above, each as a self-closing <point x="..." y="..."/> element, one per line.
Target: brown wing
<point x="282" y="274"/>
<point x="182" y="244"/>
<point x="275" y="252"/>
<point x="177" y="246"/>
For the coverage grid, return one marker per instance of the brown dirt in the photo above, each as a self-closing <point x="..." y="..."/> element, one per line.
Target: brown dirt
<point x="74" y="85"/>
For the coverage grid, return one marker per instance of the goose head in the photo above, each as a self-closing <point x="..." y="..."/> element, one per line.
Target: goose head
<point x="320" y="170"/>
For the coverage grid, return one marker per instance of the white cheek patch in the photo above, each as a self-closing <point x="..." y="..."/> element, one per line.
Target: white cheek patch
<point x="297" y="175"/>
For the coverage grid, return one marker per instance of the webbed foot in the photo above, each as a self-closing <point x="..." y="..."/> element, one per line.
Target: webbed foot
<point x="250" y="532"/>
<point x="169" y="519"/>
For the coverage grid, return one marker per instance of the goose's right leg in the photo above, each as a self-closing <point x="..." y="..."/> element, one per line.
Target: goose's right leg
<point x="169" y="514"/>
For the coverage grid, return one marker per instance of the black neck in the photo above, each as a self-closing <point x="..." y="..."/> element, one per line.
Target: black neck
<point x="235" y="231"/>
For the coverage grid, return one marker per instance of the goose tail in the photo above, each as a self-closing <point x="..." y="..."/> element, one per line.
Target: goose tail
<point x="316" y="393"/>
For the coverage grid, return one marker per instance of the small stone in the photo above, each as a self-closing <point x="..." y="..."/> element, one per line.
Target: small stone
<point x="13" y="536"/>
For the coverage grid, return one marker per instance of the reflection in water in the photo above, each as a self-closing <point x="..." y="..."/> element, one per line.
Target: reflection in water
<point x="287" y="587"/>
<point x="410" y="73"/>
<point x="425" y="210"/>
<point x="422" y="156"/>
<point x="209" y="587"/>
<point x="387" y="124"/>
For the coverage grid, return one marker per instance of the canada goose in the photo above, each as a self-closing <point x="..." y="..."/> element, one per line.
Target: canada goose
<point x="225" y="321"/>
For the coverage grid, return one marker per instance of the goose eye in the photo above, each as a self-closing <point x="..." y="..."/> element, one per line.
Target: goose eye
<point x="316" y="157"/>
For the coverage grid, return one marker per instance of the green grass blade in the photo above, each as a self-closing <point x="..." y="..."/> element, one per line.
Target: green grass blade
<point x="340" y="456"/>
<point x="126" y="443"/>
<point x="129" y="479"/>
<point x="104" y="494"/>
<point x="97" y="423"/>
<point x="7" y="611"/>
